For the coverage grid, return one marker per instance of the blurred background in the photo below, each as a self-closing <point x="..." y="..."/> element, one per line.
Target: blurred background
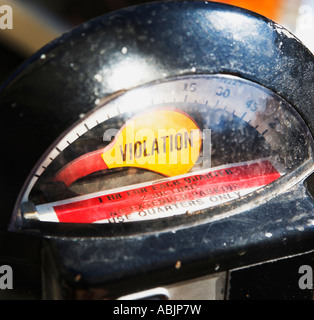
<point x="37" y="22"/>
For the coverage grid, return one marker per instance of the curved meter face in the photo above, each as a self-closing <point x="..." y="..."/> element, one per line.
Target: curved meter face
<point x="169" y="148"/>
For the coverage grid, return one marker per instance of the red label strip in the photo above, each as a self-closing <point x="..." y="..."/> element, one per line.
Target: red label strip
<point x="166" y="193"/>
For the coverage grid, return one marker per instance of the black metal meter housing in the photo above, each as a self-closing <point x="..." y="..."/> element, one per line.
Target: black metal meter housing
<point x="235" y="220"/>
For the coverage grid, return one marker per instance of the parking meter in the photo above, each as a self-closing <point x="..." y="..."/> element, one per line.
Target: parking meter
<point x="162" y="151"/>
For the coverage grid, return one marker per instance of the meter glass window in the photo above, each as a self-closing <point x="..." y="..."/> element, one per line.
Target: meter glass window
<point x="169" y="148"/>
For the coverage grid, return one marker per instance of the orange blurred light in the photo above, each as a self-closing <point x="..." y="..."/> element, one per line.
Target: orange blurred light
<point x="268" y="8"/>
